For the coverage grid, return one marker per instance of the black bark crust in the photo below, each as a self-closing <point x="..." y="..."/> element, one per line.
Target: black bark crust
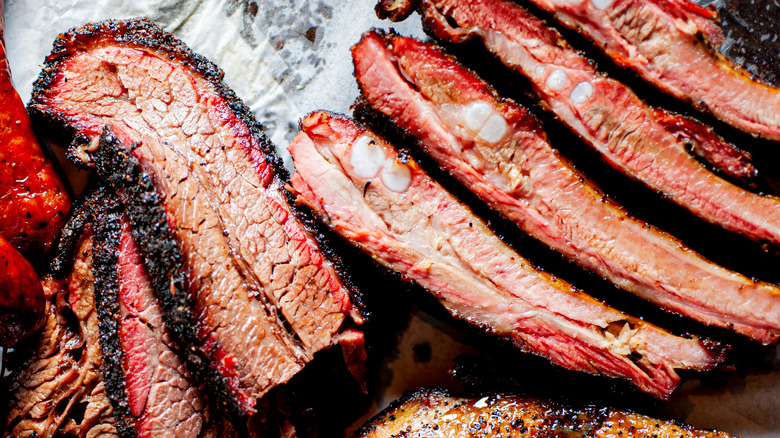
<point x="120" y="169"/>
<point x="81" y="215"/>
<point x="107" y="217"/>
<point x="147" y="35"/>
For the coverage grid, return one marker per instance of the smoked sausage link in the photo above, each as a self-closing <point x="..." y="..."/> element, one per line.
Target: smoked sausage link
<point x="33" y="200"/>
<point x="21" y="296"/>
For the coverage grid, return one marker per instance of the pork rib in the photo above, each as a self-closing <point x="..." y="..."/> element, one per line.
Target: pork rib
<point x="498" y="150"/>
<point x="426" y="410"/>
<point x="243" y="283"/>
<point x="606" y="114"/>
<point x="670" y="44"/>
<point x="385" y="204"/>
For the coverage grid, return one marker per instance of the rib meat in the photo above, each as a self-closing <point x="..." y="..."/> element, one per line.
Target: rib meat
<point x="243" y="283"/>
<point x="498" y="150"/>
<point x="435" y="412"/>
<point x="630" y="135"/>
<point x="670" y="44"/>
<point x="385" y="204"/>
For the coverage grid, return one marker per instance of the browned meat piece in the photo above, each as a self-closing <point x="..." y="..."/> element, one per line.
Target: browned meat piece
<point x="670" y="44"/>
<point x="105" y="331"/>
<point x="630" y="135"/>
<point x="33" y="200"/>
<point x="21" y="296"/>
<point x="59" y="391"/>
<point x="499" y="151"/>
<point x="436" y="413"/>
<point x="386" y="205"/>
<point x="242" y="281"/>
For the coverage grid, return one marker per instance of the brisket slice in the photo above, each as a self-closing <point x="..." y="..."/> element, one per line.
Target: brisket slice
<point x="437" y="101"/>
<point x="147" y="380"/>
<point x="59" y="391"/>
<point x="435" y="412"/>
<point x="386" y="205"/>
<point x="670" y="44"/>
<point x="605" y="113"/>
<point x="244" y="284"/>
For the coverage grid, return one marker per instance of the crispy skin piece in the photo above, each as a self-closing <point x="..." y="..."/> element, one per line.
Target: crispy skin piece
<point x="433" y="98"/>
<point x="245" y="285"/>
<point x="410" y="224"/>
<point x="670" y="44"/>
<point x="21" y="296"/>
<point x="436" y="413"/>
<point x="605" y="113"/>
<point x="33" y="200"/>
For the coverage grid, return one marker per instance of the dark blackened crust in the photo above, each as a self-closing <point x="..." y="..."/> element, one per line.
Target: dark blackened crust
<point x="106" y="217"/>
<point x="117" y="166"/>
<point x="81" y="214"/>
<point x="395" y="10"/>
<point x="147" y="35"/>
<point x="389" y="412"/>
<point x="142" y="33"/>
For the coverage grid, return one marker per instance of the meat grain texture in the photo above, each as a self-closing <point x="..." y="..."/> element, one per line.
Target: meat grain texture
<point x="498" y="150"/>
<point x="637" y="139"/>
<point x="242" y="280"/>
<point x="671" y="44"/>
<point x="385" y="204"/>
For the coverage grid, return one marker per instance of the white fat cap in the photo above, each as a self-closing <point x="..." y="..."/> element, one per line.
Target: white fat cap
<point x="476" y="114"/>
<point x="367" y="157"/>
<point x="556" y="80"/>
<point x="396" y="176"/>
<point x="494" y="130"/>
<point x="581" y="92"/>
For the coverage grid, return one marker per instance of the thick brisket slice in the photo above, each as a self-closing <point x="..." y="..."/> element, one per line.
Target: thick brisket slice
<point x="435" y="99"/>
<point x="263" y="297"/>
<point x="670" y="44"/>
<point x="605" y="113"/>
<point x="59" y="391"/>
<point x="385" y="204"/>
<point x="426" y="410"/>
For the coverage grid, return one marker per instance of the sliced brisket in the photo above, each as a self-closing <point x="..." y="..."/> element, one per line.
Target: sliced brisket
<point x="497" y="149"/>
<point x="424" y="411"/>
<point x="59" y="391"/>
<point x="670" y="44"/>
<point x="630" y="135"/>
<point x="243" y="283"/>
<point x="385" y="204"/>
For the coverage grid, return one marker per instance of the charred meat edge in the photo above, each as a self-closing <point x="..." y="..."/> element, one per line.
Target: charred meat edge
<point x="143" y="205"/>
<point x="677" y="292"/>
<point x="426" y="409"/>
<point x="147" y="34"/>
<point x="721" y="87"/>
<point x="733" y="208"/>
<point x="613" y="364"/>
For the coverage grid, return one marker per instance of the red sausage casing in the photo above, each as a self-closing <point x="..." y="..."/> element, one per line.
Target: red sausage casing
<point x="33" y="200"/>
<point x="21" y="296"/>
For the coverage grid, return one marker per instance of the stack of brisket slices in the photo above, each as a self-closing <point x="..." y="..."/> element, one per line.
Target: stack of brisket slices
<point x="195" y="286"/>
